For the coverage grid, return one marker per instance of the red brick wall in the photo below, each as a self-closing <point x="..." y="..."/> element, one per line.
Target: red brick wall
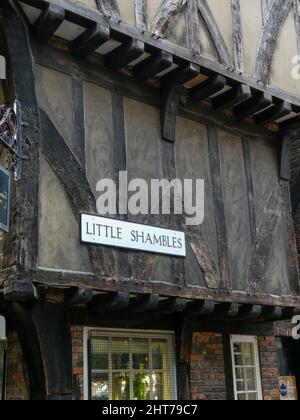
<point x="269" y="367"/>
<point x="77" y="344"/>
<point x="17" y="382"/>
<point x="207" y="367"/>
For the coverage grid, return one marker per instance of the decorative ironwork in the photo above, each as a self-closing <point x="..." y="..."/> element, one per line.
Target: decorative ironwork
<point x="8" y="128"/>
<point x="10" y="136"/>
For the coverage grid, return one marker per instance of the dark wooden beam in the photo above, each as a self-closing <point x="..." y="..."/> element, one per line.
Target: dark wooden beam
<point x="170" y="100"/>
<point x="183" y="74"/>
<point x="229" y="310"/>
<point x="252" y="106"/>
<point x="142" y="303"/>
<point x="184" y="342"/>
<point x="172" y="305"/>
<point x="78" y="296"/>
<point x="208" y="88"/>
<point x="285" y="160"/>
<point x="125" y="54"/>
<point x="114" y="301"/>
<point x="21" y="319"/>
<point x="232" y="97"/>
<point x="290" y="124"/>
<point x="264" y="242"/>
<point x="272" y="313"/>
<point x="16" y="290"/>
<point x="278" y="13"/>
<point x="274" y="113"/>
<point x="90" y="40"/>
<point x="24" y="238"/>
<point x="48" y="22"/>
<point x="218" y="197"/>
<point x="250" y="311"/>
<point x="153" y="65"/>
<point x="205" y="307"/>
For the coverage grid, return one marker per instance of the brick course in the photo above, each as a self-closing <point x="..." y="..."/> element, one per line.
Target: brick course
<point x="17" y="387"/>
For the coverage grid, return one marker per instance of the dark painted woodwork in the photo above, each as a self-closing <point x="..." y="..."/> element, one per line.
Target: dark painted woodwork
<point x="24" y="246"/>
<point x="125" y="54"/>
<point x="205" y="307"/>
<point x="53" y="332"/>
<point x="260" y="256"/>
<point x="232" y="97"/>
<point x="184" y="340"/>
<point x="63" y="163"/>
<point x="20" y="316"/>
<point x="170" y="97"/>
<point x="272" y="313"/>
<point x="172" y="305"/>
<point x="113" y="301"/>
<point x="79" y="120"/>
<point x="277" y="15"/>
<point x="250" y="312"/>
<point x="277" y="111"/>
<point x="142" y="303"/>
<point x="252" y="105"/>
<point x="48" y="22"/>
<point x="78" y="296"/>
<point x="90" y="40"/>
<point x="228" y="363"/>
<point x="208" y="88"/>
<point x="86" y="16"/>
<point x="219" y="207"/>
<point x="250" y="186"/>
<point x="285" y="163"/>
<point x="183" y="74"/>
<point x="153" y="65"/>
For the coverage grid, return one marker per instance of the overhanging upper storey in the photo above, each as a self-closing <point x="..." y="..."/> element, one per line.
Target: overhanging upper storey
<point x="240" y="54"/>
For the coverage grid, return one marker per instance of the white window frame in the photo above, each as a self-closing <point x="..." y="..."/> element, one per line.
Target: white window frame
<point x="135" y="334"/>
<point x="251" y="340"/>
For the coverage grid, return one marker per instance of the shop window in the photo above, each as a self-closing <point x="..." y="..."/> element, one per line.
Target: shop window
<point x="246" y="370"/>
<point x="124" y="365"/>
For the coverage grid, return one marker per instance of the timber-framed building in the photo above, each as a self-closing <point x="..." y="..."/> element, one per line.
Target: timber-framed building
<point x="194" y="89"/>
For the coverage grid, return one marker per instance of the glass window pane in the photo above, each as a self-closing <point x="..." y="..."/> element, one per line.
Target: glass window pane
<point x="100" y="386"/>
<point x="238" y="360"/>
<point x="120" y="353"/>
<point x="121" y="386"/>
<point x="237" y="348"/>
<point x="140" y="356"/>
<point x="128" y="367"/>
<point x="99" y="356"/>
<point x="252" y="397"/>
<point x="251" y="380"/>
<point x="159" y="354"/>
<point x="141" y="386"/>
<point x="242" y="397"/>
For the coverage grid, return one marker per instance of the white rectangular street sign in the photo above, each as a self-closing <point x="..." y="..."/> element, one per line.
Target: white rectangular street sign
<point x="97" y="230"/>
